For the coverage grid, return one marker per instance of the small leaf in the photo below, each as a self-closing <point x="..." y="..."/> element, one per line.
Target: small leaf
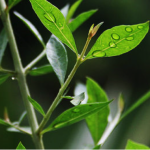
<point x="72" y="10"/>
<point x="4" y="122"/>
<point x="121" y="103"/>
<point x="67" y="97"/>
<point x="78" y="99"/>
<point x="97" y="147"/>
<point x="26" y="130"/>
<point x="75" y="114"/>
<point x="118" y="40"/>
<point x="75" y="23"/>
<point x="57" y="56"/>
<point x="134" y="145"/>
<point x="139" y="102"/>
<point x="36" y="106"/>
<point x="98" y="121"/>
<point x="54" y="21"/>
<point x="4" y="77"/>
<point x="3" y="43"/>
<point x="64" y="10"/>
<point x="36" y="71"/>
<point x="31" y="27"/>
<point x="22" y="117"/>
<point x="12" y="3"/>
<point x="20" y="146"/>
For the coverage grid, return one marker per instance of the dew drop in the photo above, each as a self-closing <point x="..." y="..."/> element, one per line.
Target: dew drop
<point x="76" y="110"/>
<point x="128" y="29"/>
<point x="98" y="54"/>
<point x="112" y="45"/>
<point x="129" y="38"/>
<point x="50" y="17"/>
<point x="140" y="27"/>
<point x="13" y="78"/>
<point x="115" y="36"/>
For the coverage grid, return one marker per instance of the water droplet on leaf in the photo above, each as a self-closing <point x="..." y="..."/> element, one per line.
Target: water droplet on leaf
<point x="140" y="27"/>
<point x="50" y="17"/>
<point x="128" y="29"/>
<point x="112" y="45"/>
<point x="76" y="110"/>
<point x="115" y="36"/>
<point x="129" y="38"/>
<point x="13" y="78"/>
<point x="98" y="54"/>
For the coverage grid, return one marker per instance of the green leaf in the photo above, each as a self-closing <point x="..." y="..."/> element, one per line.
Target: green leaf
<point x="75" y="114"/>
<point x="98" y="121"/>
<point x="20" y="146"/>
<point x="97" y="147"/>
<point x="67" y="97"/>
<point x="4" y="77"/>
<point x="22" y="117"/>
<point x="31" y="27"/>
<point x="57" y="56"/>
<point x="54" y="21"/>
<point x="78" y="99"/>
<point x="36" y="71"/>
<point x="3" y="43"/>
<point x="12" y="3"/>
<point x="26" y="130"/>
<point x="80" y="19"/>
<point x="118" y="40"/>
<point x="134" y="145"/>
<point x="3" y="122"/>
<point x="72" y="10"/>
<point x="140" y="101"/>
<point x="64" y="10"/>
<point x="36" y="106"/>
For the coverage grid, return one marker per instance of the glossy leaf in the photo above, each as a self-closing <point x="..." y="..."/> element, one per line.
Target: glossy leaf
<point x="31" y="27"/>
<point x="118" y="40"/>
<point x="12" y="3"/>
<point x="72" y="10"/>
<point x="75" y="23"/>
<point x="20" y="146"/>
<point x="3" y="122"/>
<point x="134" y="145"/>
<point x="26" y="130"/>
<point x="98" y="121"/>
<point x="3" y="43"/>
<point x="64" y="10"/>
<point x="57" y="56"/>
<point x="3" y="77"/>
<point x="36" y="71"/>
<point x="78" y="99"/>
<point x="97" y="147"/>
<point x="139" y="102"/>
<point x="75" y="114"/>
<point x="54" y="21"/>
<point x="36" y="106"/>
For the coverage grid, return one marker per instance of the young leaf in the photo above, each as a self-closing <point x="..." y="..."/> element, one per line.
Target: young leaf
<point x="64" y="10"/>
<point x="78" y="99"/>
<point x="75" y="23"/>
<point x="134" y="145"/>
<point x="26" y="130"/>
<point x="22" y="117"/>
<point x="3" y="43"/>
<point x="20" y="146"/>
<point x="3" y="122"/>
<point x="31" y="27"/>
<point x="4" y="77"/>
<point x="139" y="102"/>
<point x="97" y="122"/>
<point x="75" y="114"/>
<point x="36" y="71"/>
<point x="97" y="147"/>
<point x="57" y="56"/>
<point x="54" y="21"/>
<point x="12" y="3"/>
<point x="72" y="10"/>
<point x="36" y="106"/>
<point x="118" y="40"/>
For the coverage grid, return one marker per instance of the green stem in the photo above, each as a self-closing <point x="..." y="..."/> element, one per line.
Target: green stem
<point x="7" y="71"/>
<point x="63" y="88"/>
<point x="21" y="76"/>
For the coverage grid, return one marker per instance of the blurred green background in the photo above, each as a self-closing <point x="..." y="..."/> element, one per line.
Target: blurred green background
<point x="128" y="73"/>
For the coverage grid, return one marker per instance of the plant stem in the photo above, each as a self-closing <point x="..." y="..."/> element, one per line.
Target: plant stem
<point x="32" y="63"/>
<point x="63" y="88"/>
<point x="21" y="76"/>
<point x="7" y="71"/>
